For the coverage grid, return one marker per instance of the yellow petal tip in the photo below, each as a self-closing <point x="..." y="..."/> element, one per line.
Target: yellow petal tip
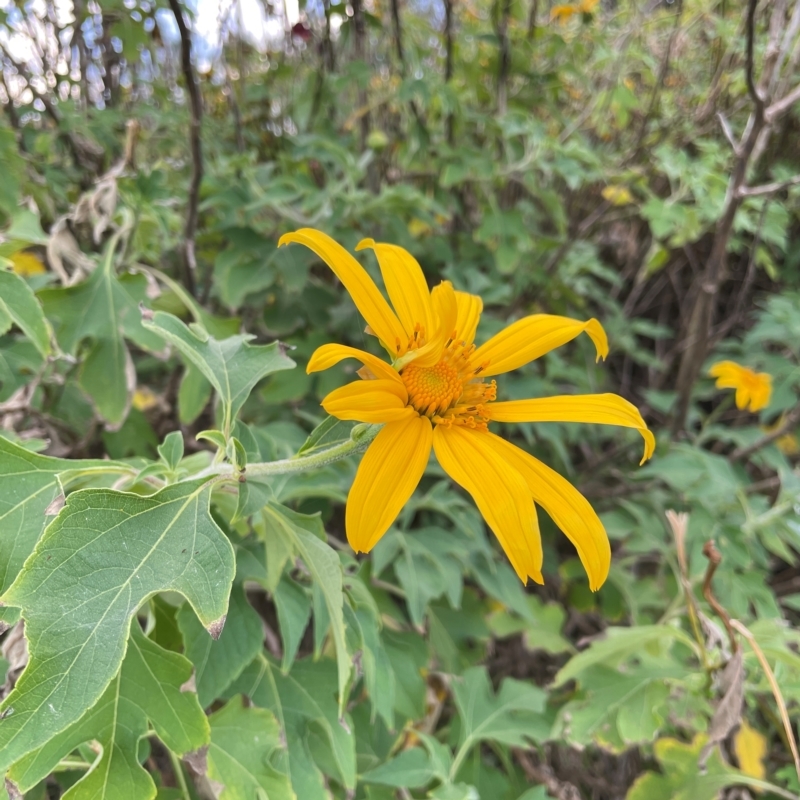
<point x="365" y="244"/>
<point x="287" y="238"/>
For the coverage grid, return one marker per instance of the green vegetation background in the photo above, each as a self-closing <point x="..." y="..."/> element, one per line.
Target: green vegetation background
<point x="577" y="159"/>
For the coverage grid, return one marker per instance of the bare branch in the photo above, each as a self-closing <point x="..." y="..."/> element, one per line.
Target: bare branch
<point x="768" y="188"/>
<point x="196" y="110"/>
<point x="755" y="94"/>
<point x="780" y="106"/>
<point x="726" y="129"/>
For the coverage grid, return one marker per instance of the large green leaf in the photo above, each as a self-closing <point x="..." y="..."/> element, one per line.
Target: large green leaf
<point x="218" y="663"/>
<point x="232" y="366"/>
<point x="513" y="716"/>
<point x="103" y="310"/>
<point x="683" y="779"/>
<point x="97" y="562"/>
<point x="20" y="305"/>
<point x="29" y="483"/>
<point x="304" y="701"/>
<point x="149" y="686"/>
<point x="297" y="530"/>
<point x="242" y="743"/>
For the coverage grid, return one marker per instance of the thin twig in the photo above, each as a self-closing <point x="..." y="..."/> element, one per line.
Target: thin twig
<point x="714" y="558"/>
<point x="768" y="188"/>
<point x="756" y="96"/>
<point x="196" y="109"/>
<point x="779" y="106"/>
<point x="789" y="421"/>
<point x="726" y="129"/>
<point x="776" y="690"/>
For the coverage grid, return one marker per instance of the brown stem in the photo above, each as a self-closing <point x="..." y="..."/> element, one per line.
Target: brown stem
<point x="714" y="558"/>
<point x="196" y="110"/>
<point x="532" y="14"/>
<point x="789" y="421"/>
<point x="448" y="63"/>
<point x="358" y="39"/>
<point x="504" y="55"/>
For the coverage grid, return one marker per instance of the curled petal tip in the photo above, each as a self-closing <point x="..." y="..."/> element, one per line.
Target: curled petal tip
<point x="649" y="445"/>
<point x="287" y="238"/>
<point x="365" y="244"/>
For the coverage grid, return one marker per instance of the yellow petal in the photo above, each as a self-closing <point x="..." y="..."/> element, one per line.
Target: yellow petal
<point x="26" y="264"/>
<point x="445" y="312"/>
<point x="405" y="284"/>
<point x="369" y="301"/>
<point x="469" y="307"/>
<point x="329" y="354"/>
<point x="751" y="750"/>
<point x="386" y="478"/>
<point x="369" y="401"/>
<point x="753" y="390"/>
<point x="598" y="409"/>
<point x="568" y="508"/>
<point x="498" y="490"/>
<point x="532" y="337"/>
<point x="727" y="373"/>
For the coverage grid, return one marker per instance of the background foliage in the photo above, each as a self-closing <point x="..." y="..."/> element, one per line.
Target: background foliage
<point x="587" y="160"/>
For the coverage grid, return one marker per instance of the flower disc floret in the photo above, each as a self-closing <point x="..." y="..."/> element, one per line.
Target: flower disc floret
<point x="432" y="389"/>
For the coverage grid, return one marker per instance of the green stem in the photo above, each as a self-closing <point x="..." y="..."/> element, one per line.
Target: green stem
<point x="358" y="442"/>
<point x="177" y="768"/>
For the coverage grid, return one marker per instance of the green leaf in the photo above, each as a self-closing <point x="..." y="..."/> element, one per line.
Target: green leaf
<point x="513" y="716"/>
<point x="243" y="741"/>
<point x="171" y="449"/>
<point x="232" y="365"/>
<point x="19" y="303"/>
<point x="218" y="663"/>
<point x="29" y="484"/>
<point x="304" y="701"/>
<point x="620" y="644"/>
<point x="97" y="562"/>
<point x="102" y="312"/>
<point x="193" y="394"/>
<point x="326" y="571"/>
<point x="147" y="687"/>
<point x="411" y="769"/>
<point x="294" y="611"/>
<point x="682" y="779"/>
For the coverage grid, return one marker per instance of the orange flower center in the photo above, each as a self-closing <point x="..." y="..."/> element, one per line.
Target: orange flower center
<point x="450" y="393"/>
<point x="432" y="389"/>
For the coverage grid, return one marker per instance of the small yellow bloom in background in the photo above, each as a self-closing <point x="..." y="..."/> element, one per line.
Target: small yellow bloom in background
<point x="144" y="398"/>
<point x="418" y="227"/>
<point x="787" y="444"/>
<point x="25" y="263"/>
<point x="617" y="195"/>
<point x="564" y="13"/>
<point x="435" y="393"/>
<point x="751" y="749"/>
<point x="588" y="6"/>
<point x="753" y="389"/>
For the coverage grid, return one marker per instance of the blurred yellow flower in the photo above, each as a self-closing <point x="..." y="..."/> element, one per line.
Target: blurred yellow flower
<point x="144" y="398"/>
<point x="751" y="750"/>
<point x="617" y="195"/>
<point x="25" y="263"/>
<point x="753" y="389"/>
<point x="564" y="13"/>
<point x="588" y="6"/>
<point x="435" y="395"/>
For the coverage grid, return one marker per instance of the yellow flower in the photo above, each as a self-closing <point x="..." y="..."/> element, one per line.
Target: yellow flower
<point x="564" y="13"/>
<point x="588" y="6"/>
<point x="25" y="263"/>
<point x="753" y="389"/>
<point x="436" y="394"/>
